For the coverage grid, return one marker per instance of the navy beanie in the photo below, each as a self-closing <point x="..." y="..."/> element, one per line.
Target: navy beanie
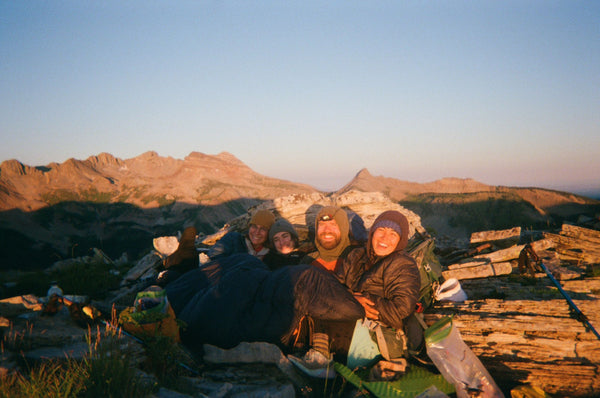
<point x="388" y="224"/>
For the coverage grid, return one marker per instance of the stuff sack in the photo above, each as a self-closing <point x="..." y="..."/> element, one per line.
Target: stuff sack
<point x="392" y="343"/>
<point x="150" y="316"/>
<point x="450" y="290"/>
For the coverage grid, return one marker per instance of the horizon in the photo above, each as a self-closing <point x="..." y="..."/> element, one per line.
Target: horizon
<point x="593" y="193"/>
<point x="504" y="93"/>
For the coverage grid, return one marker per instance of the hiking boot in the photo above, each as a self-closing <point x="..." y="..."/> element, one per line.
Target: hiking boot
<point x="314" y="364"/>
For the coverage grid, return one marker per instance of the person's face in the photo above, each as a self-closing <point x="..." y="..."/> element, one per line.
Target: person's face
<point x="384" y="241"/>
<point x="257" y="234"/>
<point x="283" y="242"/>
<point x="328" y="234"/>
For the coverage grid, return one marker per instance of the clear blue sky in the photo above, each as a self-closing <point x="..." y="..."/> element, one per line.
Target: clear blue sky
<point x="505" y="92"/>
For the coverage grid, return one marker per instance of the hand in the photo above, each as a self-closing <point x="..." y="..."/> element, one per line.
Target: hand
<point x="368" y="305"/>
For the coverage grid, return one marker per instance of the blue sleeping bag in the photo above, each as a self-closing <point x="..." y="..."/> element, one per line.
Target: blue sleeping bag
<point x="237" y="298"/>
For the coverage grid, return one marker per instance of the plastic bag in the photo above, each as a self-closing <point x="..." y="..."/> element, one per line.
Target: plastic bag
<point x="363" y="350"/>
<point x="457" y="363"/>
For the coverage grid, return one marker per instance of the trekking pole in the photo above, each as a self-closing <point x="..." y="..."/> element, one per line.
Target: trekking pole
<point x="580" y="316"/>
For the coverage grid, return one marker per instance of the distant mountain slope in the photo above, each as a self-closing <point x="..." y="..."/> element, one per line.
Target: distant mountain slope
<point x="457" y="207"/>
<point x="60" y="210"/>
<point x="147" y="181"/>
<point x="398" y="189"/>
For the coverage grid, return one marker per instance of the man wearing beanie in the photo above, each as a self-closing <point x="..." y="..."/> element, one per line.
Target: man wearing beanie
<point x="334" y="248"/>
<point x="254" y="242"/>
<point x="331" y="239"/>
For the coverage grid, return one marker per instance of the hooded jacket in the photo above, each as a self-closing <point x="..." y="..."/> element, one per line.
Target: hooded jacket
<point x="331" y="259"/>
<point x="392" y="282"/>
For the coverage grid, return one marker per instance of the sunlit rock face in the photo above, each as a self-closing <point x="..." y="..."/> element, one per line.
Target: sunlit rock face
<point x="301" y="210"/>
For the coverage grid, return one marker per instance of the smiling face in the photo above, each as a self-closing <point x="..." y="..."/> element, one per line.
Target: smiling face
<point x="384" y="241"/>
<point x="283" y="242"/>
<point x="329" y="234"/>
<point x="257" y="235"/>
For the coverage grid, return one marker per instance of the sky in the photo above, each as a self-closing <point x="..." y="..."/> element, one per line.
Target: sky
<point x="504" y="92"/>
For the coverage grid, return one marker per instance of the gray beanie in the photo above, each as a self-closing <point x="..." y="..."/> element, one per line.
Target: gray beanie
<point x="282" y="225"/>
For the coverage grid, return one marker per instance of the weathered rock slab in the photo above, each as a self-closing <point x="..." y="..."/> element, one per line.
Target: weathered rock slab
<point x="531" y="340"/>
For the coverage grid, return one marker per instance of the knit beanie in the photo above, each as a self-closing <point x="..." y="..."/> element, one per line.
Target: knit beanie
<point x="282" y="225"/>
<point x="388" y="224"/>
<point x="264" y="218"/>
<point x="341" y="218"/>
<point x="390" y="219"/>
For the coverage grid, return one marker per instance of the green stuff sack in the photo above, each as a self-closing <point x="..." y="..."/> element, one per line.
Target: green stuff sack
<point x="150" y="316"/>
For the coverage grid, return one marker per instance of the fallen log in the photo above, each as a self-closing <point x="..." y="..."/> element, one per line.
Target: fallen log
<point x="479" y="271"/>
<point x="468" y="263"/>
<point x="512" y="253"/>
<point x="570" y="248"/>
<point x="503" y="238"/>
<point x="553" y="263"/>
<point x="584" y="234"/>
<point x="573" y="307"/>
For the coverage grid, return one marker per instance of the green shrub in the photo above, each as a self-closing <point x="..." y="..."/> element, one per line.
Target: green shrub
<point x="93" y="279"/>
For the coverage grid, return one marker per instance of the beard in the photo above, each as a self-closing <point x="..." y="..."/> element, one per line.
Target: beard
<point x="329" y="244"/>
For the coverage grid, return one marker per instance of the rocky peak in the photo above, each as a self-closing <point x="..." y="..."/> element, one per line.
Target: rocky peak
<point x="228" y="157"/>
<point x="104" y="160"/>
<point x="223" y="159"/>
<point x="148" y="155"/>
<point x="74" y="170"/>
<point x="363" y="173"/>
<point x="11" y="167"/>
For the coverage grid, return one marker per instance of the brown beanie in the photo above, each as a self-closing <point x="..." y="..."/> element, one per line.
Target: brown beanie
<point x="264" y="218"/>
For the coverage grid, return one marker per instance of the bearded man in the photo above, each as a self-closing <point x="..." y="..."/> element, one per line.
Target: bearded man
<point x="331" y="238"/>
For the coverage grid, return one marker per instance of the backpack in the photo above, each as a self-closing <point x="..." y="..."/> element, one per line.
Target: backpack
<point x="430" y="271"/>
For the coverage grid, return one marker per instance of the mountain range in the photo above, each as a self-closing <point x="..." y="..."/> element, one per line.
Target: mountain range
<point x="63" y="210"/>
